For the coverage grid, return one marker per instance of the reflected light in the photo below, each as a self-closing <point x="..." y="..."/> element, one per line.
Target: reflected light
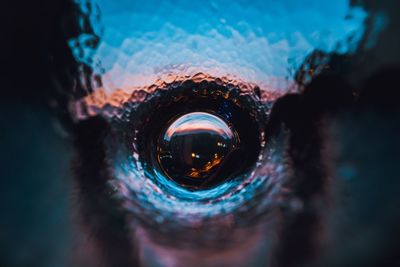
<point x="195" y="145"/>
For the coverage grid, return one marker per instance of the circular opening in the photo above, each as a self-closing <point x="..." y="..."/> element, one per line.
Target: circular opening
<point x="199" y="135"/>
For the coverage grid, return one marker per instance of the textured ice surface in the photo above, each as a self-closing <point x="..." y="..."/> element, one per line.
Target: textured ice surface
<point x="259" y="41"/>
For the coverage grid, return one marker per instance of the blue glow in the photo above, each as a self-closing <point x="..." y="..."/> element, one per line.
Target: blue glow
<point x="260" y="41"/>
<point x="156" y="199"/>
<point x="263" y="41"/>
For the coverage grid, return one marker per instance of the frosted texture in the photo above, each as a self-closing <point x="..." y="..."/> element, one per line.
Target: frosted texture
<point x="259" y="41"/>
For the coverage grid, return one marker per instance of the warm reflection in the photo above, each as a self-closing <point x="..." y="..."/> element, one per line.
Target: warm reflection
<point x="110" y="102"/>
<point x="195" y="145"/>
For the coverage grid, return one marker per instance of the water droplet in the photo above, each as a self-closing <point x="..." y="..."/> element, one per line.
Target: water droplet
<point x="195" y="145"/>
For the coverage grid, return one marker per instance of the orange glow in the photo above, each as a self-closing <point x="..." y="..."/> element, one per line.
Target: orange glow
<point x="198" y="173"/>
<point x="99" y="98"/>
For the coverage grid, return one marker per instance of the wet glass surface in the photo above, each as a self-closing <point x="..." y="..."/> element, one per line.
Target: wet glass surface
<point x="144" y="50"/>
<point x="205" y="133"/>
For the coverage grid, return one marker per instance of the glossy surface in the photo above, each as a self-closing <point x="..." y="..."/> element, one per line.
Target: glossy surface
<point x="144" y="48"/>
<point x="262" y="41"/>
<point x="195" y="146"/>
